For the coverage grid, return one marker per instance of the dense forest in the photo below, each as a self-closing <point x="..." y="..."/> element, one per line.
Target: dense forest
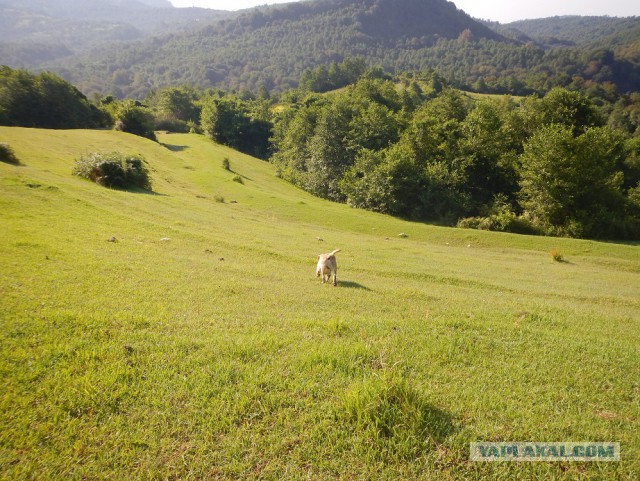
<point x="408" y="145"/>
<point x="270" y="47"/>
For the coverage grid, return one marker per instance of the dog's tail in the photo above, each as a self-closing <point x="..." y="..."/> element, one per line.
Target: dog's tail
<point x="334" y="252"/>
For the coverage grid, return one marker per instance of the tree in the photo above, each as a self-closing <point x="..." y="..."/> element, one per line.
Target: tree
<point x="134" y="118"/>
<point x="44" y="100"/>
<point x="329" y="155"/>
<point x="387" y="181"/>
<point x="565" y="107"/>
<point x="571" y="185"/>
<point x="491" y="170"/>
<point x="177" y="103"/>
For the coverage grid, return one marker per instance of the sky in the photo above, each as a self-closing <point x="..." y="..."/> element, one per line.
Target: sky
<point x="503" y="11"/>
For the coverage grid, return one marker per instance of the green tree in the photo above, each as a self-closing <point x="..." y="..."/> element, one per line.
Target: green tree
<point x="44" y="100"/>
<point x="491" y="169"/>
<point x="177" y="103"/>
<point x="134" y="118"/>
<point x="387" y="181"/>
<point x="230" y="121"/>
<point x="329" y="153"/>
<point x="572" y="185"/>
<point x="569" y="108"/>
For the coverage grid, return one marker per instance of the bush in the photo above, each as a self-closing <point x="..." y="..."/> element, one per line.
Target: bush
<point x="8" y="155"/>
<point x="134" y="118"/>
<point x="114" y="170"/>
<point x="238" y="179"/>
<point x="172" y="125"/>
<point x="556" y="255"/>
<point x="226" y="165"/>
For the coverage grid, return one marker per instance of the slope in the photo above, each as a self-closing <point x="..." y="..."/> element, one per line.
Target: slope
<point x="33" y="32"/>
<point x="272" y="46"/>
<point x="199" y="344"/>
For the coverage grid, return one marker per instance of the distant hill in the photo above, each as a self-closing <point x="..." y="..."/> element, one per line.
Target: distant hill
<point x="134" y="48"/>
<point x="33" y="32"/>
<point x="575" y="30"/>
<point x="272" y="46"/>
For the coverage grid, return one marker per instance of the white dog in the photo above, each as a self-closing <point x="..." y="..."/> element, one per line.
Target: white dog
<point x="327" y="267"/>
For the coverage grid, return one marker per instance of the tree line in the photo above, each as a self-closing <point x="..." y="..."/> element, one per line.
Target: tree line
<point x="411" y="146"/>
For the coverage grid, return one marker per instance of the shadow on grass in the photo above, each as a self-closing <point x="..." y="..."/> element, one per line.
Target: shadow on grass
<point x="138" y="190"/>
<point x="240" y="175"/>
<point x="352" y="285"/>
<point x="397" y="415"/>
<point x="175" y="148"/>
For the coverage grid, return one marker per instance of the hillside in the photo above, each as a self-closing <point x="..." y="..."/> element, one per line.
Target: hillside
<point x="37" y="31"/>
<point x="272" y="46"/>
<point x="128" y="49"/>
<point x="199" y="344"/>
<point x="575" y="30"/>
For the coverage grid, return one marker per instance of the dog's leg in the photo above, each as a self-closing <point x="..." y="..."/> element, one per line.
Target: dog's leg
<point x="335" y="278"/>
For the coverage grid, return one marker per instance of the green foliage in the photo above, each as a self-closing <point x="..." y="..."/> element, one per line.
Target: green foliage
<point x="7" y="154"/>
<point x="386" y="181"/>
<point x="44" y="100"/>
<point x="536" y="166"/>
<point x="114" y="170"/>
<point x="237" y="123"/>
<point x="134" y="118"/>
<point x="310" y="45"/>
<point x="337" y="75"/>
<point x="572" y="185"/>
<point x="175" y="109"/>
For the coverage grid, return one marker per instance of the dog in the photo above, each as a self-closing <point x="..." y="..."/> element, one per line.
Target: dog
<point x="327" y="267"/>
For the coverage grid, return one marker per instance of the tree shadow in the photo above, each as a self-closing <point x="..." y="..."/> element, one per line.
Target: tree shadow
<point x="352" y="285"/>
<point x="139" y="190"/>
<point x="175" y="148"/>
<point x="244" y="177"/>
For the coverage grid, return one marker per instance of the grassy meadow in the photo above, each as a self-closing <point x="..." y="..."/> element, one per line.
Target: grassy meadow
<point x="198" y="344"/>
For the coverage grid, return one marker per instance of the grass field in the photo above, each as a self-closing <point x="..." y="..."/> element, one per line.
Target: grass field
<point x="200" y="344"/>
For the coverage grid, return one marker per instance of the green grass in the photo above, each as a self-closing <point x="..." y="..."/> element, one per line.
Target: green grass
<point x="200" y="345"/>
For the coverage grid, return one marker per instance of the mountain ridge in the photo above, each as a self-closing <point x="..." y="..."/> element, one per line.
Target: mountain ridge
<point x="269" y="47"/>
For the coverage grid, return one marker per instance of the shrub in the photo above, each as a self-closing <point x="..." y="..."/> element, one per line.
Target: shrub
<point x="556" y="255"/>
<point x="194" y="128"/>
<point x="172" y="125"/>
<point x="226" y="165"/>
<point x="133" y="118"/>
<point x="238" y="179"/>
<point x="114" y="170"/>
<point x="8" y="155"/>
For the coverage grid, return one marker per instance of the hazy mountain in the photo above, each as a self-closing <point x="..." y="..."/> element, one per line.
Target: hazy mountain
<point x="36" y="31"/>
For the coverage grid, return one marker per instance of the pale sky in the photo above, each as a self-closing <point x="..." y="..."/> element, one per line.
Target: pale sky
<point x="501" y="10"/>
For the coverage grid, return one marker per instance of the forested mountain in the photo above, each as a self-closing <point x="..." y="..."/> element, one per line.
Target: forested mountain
<point x="272" y="46"/>
<point x="575" y="30"/>
<point x="34" y="32"/>
<point x="129" y="52"/>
